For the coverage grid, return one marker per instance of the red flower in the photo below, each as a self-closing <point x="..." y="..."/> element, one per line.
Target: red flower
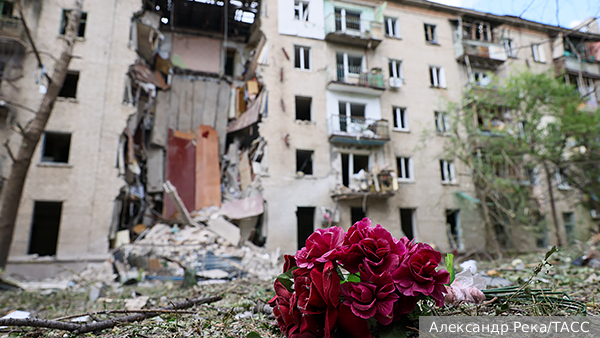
<point x="320" y="247"/>
<point x="417" y="274"/>
<point x="373" y="299"/>
<point x="371" y="252"/>
<point x="319" y="297"/>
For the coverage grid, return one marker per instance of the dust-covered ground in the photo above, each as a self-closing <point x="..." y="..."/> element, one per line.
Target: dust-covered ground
<point x="243" y="312"/>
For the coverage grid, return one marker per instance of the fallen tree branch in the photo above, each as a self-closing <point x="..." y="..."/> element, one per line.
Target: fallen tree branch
<point x="105" y="324"/>
<point x="107" y="312"/>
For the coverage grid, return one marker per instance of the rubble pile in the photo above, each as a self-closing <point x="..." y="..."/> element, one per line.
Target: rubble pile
<point x="166" y="252"/>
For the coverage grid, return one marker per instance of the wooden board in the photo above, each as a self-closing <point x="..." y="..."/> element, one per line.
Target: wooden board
<point x="208" y="174"/>
<point x="161" y="115"/>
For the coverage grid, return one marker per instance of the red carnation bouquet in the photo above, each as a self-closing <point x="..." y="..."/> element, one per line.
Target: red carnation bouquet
<point x="347" y="283"/>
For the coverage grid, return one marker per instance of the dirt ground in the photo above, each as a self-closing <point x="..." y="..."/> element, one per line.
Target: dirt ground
<point x="243" y="311"/>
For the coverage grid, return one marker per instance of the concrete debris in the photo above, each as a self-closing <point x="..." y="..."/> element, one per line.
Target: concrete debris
<point x="136" y="303"/>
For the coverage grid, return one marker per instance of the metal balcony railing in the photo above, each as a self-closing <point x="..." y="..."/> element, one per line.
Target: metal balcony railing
<point x="353" y="30"/>
<point x="359" y="127"/>
<point x="349" y="22"/>
<point x="11" y="28"/>
<point x="355" y="75"/>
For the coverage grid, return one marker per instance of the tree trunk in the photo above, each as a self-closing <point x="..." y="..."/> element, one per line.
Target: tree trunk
<point x="559" y="242"/>
<point x="491" y="238"/>
<point x="31" y="137"/>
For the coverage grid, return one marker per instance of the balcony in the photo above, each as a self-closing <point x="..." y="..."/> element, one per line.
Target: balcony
<point x="570" y="64"/>
<point x="12" y="37"/>
<point x="378" y="184"/>
<point x="353" y="31"/>
<point x="358" y="130"/>
<point x="486" y="54"/>
<point x="352" y="79"/>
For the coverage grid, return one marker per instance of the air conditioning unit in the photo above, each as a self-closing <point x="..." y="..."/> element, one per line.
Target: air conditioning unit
<point x="395" y="82"/>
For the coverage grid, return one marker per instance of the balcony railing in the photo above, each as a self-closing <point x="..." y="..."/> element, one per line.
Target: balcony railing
<point x="570" y="64"/>
<point x="353" y="31"/>
<point x="358" y="130"/>
<point x="483" y="50"/>
<point x="11" y="28"/>
<point x="374" y="78"/>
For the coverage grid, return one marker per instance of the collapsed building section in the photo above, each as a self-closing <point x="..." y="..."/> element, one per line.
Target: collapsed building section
<point x="195" y="126"/>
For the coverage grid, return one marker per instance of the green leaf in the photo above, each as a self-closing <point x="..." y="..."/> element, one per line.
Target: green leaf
<point x="287" y="279"/>
<point x="450" y="267"/>
<point x="353" y="277"/>
<point x="253" y="335"/>
<point x="550" y="252"/>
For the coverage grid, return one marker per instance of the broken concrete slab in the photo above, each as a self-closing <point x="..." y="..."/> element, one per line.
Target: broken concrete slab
<point x="243" y="208"/>
<point x="225" y="229"/>
<point x="213" y="274"/>
<point x="136" y="303"/>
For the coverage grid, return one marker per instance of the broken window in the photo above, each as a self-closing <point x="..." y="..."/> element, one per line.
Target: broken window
<point x="477" y="30"/>
<point x="481" y="78"/>
<point x="437" y="77"/>
<point x="569" y="219"/>
<point x="430" y="35"/>
<point x="305" y="217"/>
<point x="69" y="88"/>
<point x="509" y="46"/>
<point x="353" y="115"/>
<point x="538" y="53"/>
<point x="56" y="147"/>
<point x="6" y="9"/>
<point x="303" y="107"/>
<point x="353" y="164"/>
<point x="304" y="161"/>
<point x="406" y="222"/>
<point x="302" y="57"/>
<point x="405" y="169"/>
<point x="44" y="228"/>
<point x="229" y="62"/>
<point x="453" y="229"/>
<point x="301" y="10"/>
<point x="345" y="19"/>
<point x="391" y="27"/>
<point x="400" y="122"/>
<point x="395" y="67"/>
<point x="356" y="215"/>
<point x="441" y="122"/>
<point x="65" y="22"/>
<point x="447" y="171"/>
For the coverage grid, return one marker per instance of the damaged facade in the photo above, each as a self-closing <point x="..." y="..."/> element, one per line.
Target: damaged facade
<point x="278" y="116"/>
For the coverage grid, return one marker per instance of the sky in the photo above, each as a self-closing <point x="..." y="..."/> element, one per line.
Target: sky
<point x="570" y="12"/>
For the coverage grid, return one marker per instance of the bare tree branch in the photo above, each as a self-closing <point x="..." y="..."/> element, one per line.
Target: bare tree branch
<point x="105" y="324"/>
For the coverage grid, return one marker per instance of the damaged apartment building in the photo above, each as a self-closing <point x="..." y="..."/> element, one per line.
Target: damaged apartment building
<point x="279" y="116"/>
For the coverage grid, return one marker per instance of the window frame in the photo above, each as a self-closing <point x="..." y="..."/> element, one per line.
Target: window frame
<point x="343" y="17"/>
<point x="437" y="77"/>
<point x="303" y="10"/>
<point x="303" y="50"/>
<point x="448" y="172"/>
<point x="430" y="34"/>
<point x="64" y="22"/>
<point x="396" y="67"/>
<point x="405" y="174"/>
<point x="391" y="26"/>
<point x="509" y="47"/>
<point x="442" y="126"/>
<point x="399" y="115"/>
<point x="538" y="53"/>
